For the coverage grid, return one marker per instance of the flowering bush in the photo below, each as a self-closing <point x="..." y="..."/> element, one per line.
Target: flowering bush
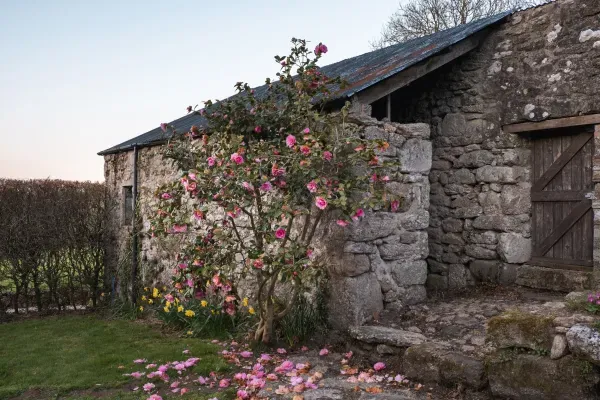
<point x="593" y="303"/>
<point x="258" y="180"/>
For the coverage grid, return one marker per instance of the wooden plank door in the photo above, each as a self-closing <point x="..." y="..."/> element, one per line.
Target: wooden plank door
<point x="560" y="194"/>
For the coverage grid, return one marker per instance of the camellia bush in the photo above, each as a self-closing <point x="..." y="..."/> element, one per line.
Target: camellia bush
<point x="269" y="166"/>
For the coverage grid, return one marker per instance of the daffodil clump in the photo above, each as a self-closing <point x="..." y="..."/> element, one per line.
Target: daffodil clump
<point x="208" y="309"/>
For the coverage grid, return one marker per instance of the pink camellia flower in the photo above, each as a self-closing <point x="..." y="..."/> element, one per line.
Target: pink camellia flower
<point x="189" y="109"/>
<point x="327" y="155"/>
<point x="320" y="49"/>
<point x="174" y="384"/>
<point x="179" y="228"/>
<point x="136" y="375"/>
<point x="163" y="368"/>
<point x="280" y="233"/>
<point x="248" y="186"/>
<point x="191" y="186"/>
<point x="211" y="161"/>
<point x="323" y="352"/>
<point x="358" y="214"/>
<point x="148" y="387"/>
<point x="189" y="282"/>
<point x="395" y="205"/>
<point x="166" y="196"/>
<point x="258" y="129"/>
<point x="198" y="214"/>
<point x="223" y="383"/>
<point x="306" y="131"/>
<point x="202" y="380"/>
<point x="379" y="366"/>
<point x="272" y="377"/>
<point x="309" y="253"/>
<point x="305" y="150"/>
<point x="285" y="366"/>
<point x="155" y="397"/>
<point x="265" y="187"/>
<point x="281" y="351"/>
<point x="265" y="357"/>
<point x="258" y="263"/>
<point x="296" y="380"/>
<point x="321" y="203"/>
<point x="312" y="186"/>
<point x="246" y="354"/>
<point x="385" y="178"/>
<point x="140" y="361"/>
<point x="186" y="351"/>
<point x="182" y="266"/>
<point x="276" y="171"/>
<point x="150" y="366"/>
<point x="242" y="394"/>
<point x="184" y="391"/>
<point x="341" y="222"/>
<point x="163" y="126"/>
<point x="290" y="141"/>
<point x="349" y="355"/>
<point x="304" y="348"/>
<point x="237" y="158"/>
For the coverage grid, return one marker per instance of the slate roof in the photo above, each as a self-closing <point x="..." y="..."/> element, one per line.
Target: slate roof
<point x="361" y="72"/>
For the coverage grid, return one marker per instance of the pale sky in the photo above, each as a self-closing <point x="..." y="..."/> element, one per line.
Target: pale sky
<point x="79" y="76"/>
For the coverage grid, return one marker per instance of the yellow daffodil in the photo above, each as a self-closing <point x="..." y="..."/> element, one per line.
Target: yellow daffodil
<point x="251" y="310"/>
<point x="145" y="289"/>
<point x="204" y="303"/>
<point x="168" y="303"/>
<point x="164" y="288"/>
<point x="245" y="302"/>
<point x="141" y="308"/>
<point x="166" y="309"/>
<point x="189" y="313"/>
<point x="180" y="309"/>
<point x="190" y="333"/>
<point x="143" y="298"/>
<point x="212" y="311"/>
<point x="150" y="301"/>
<point x="176" y="300"/>
<point x="155" y="292"/>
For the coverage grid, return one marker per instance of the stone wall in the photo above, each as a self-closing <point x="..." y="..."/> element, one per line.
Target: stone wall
<point x="541" y="63"/>
<point x="381" y="260"/>
<point x="155" y="256"/>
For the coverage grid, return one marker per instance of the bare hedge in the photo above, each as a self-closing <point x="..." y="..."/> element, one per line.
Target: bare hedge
<point x="51" y="243"/>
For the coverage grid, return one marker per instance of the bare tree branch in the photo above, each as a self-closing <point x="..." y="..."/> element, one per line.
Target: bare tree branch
<point x="423" y="17"/>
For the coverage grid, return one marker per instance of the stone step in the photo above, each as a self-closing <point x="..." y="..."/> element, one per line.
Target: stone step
<point x="432" y="363"/>
<point x="385" y="335"/>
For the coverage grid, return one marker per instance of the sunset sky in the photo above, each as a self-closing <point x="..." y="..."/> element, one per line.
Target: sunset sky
<point x="78" y="77"/>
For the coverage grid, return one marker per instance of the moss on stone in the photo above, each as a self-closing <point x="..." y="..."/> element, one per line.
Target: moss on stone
<point x="530" y="376"/>
<point x="515" y="329"/>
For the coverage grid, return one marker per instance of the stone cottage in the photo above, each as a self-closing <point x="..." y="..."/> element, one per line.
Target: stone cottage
<point x="497" y="126"/>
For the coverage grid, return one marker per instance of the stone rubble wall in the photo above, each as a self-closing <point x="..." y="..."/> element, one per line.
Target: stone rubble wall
<point x="381" y="260"/>
<point x="541" y="63"/>
<point x="156" y="256"/>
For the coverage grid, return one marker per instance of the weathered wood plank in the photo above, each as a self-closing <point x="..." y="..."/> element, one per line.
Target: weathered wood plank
<point x="578" y="265"/>
<point x="566" y="224"/>
<point x="556" y="185"/>
<point x="591" y="119"/>
<point x="565" y="195"/>
<point x="567" y="240"/>
<point x="551" y="170"/>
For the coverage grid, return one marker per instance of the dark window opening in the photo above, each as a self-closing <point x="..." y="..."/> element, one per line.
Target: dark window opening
<point x="379" y="108"/>
<point x="127" y="205"/>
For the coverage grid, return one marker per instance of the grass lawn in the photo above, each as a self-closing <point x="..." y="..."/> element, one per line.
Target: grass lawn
<point x="78" y="357"/>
